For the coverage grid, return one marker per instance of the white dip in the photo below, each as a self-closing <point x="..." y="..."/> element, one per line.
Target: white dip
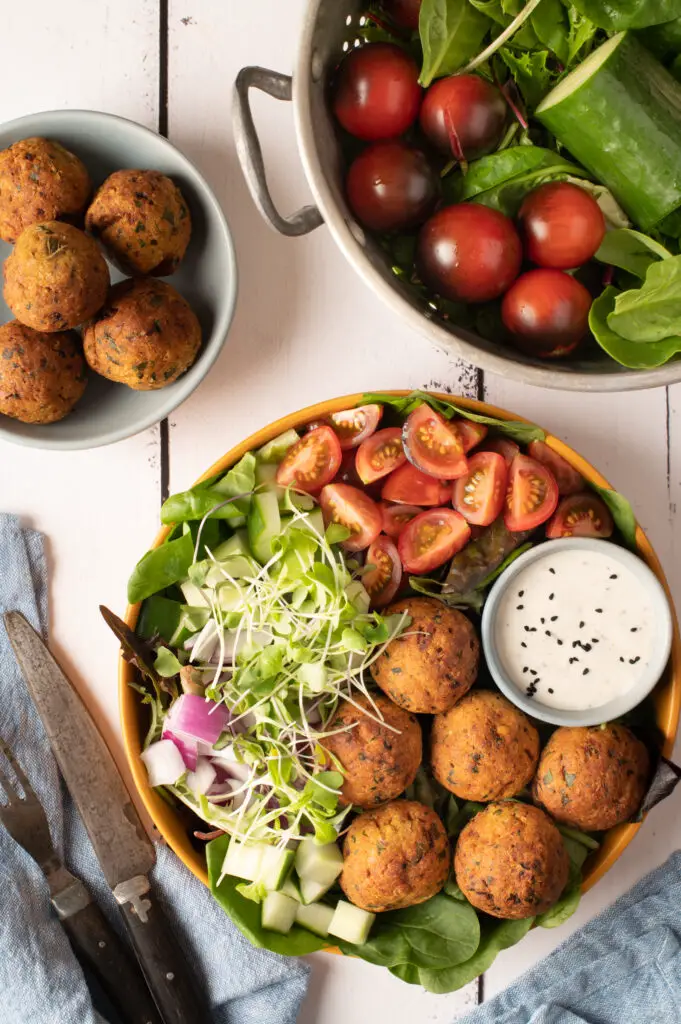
<point x="574" y="629"/>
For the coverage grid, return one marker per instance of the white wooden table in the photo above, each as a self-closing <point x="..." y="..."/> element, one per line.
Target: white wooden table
<point x="306" y="328"/>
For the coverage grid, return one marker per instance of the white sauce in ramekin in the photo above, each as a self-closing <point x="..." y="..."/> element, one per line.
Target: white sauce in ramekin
<point x="575" y="629"/>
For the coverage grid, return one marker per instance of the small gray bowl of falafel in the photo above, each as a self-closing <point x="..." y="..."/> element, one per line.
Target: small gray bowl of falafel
<point x="119" y="279"/>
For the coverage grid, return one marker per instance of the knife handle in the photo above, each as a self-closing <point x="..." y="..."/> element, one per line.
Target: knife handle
<point x="165" y="966"/>
<point x="93" y="938"/>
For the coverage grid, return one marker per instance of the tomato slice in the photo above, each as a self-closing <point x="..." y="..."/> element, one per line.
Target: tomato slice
<point x="568" y="479"/>
<point x="409" y="486"/>
<point x="479" y="496"/>
<point x="380" y="454"/>
<point x="383" y="581"/>
<point x="431" y="539"/>
<point x="470" y="433"/>
<point x="581" y="515"/>
<point x="354" y="509"/>
<point x="502" y="445"/>
<point x="352" y="426"/>
<point x="434" y="445"/>
<point x="532" y="494"/>
<point x="396" y="517"/>
<point x="312" y="462"/>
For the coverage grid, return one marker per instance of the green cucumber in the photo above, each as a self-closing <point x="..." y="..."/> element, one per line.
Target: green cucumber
<point x="275" y="450"/>
<point x="619" y="114"/>
<point x="237" y="566"/>
<point x="237" y="544"/>
<point x="318" y="863"/>
<point x="193" y="595"/>
<point x="316" y="918"/>
<point x="351" y="923"/>
<point x="264" y="524"/>
<point x="275" y="867"/>
<point x="311" y="891"/>
<point x="291" y="888"/>
<point x="243" y="860"/>
<point x="278" y="912"/>
<point x="191" y="621"/>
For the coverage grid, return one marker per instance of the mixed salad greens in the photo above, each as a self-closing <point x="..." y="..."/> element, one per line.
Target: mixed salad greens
<point x="562" y="117"/>
<point x="262" y="613"/>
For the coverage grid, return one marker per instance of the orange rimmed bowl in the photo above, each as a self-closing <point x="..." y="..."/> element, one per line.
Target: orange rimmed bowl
<point x="666" y="696"/>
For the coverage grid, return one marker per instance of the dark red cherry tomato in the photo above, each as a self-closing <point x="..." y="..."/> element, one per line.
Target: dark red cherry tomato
<point x="470" y="433"/>
<point x="562" y="225"/>
<point x="396" y="517"/>
<point x="352" y="426"/>
<point x="355" y="510"/>
<point x="479" y="496"/>
<point x="532" y="495"/>
<point x="392" y="186"/>
<point x="377" y="94"/>
<point x="383" y="581"/>
<point x="433" y="444"/>
<point x="568" y="479"/>
<point x="312" y="462"/>
<point x="546" y="313"/>
<point x="502" y="445"/>
<point x="409" y="486"/>
<point x="463" y="116"/>
<point x="380" y="454"/>
<point x="431" y="539"/>
<point x="581" y="515"/>
<point x="404" y="13"/>
<point x="468" y="253"/>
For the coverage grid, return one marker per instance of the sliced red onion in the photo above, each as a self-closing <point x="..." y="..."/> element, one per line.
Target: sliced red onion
<point x="185" y="745"/>
<point x="194" y="718"/>
<point x="164" y="763"/>
<point x="201" y="780"/>
<point x="233" y="769"/>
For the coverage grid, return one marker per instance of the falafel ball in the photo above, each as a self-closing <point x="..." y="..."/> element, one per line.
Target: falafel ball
<point x="430" y="668"/>
<point x="510" y="861"/>
<point x="142" y="220"/>
<point x="146" y="336"/>
<point x="484" y="748"/>
<point x="395" y="856"/>
<point x="55" y="277"/>
<point x="378" y="762"/>
<point x="40" y="181"/>
<point x="42" y="376"/>
<point x="592" y="778"/>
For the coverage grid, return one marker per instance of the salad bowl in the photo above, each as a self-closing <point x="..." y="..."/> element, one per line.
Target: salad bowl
<point x="172" y="824"/>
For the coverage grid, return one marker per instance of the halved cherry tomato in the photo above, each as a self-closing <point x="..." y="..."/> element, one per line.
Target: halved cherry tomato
<point x="431" y="539"/>
<point x="532" y="494"/>
<point x="581" y="515"/>
<point x="380" y="454"/>
<point x="383" y="581"/>
<point x="433" y="445"/>
<point x="352" y="426"/>
<point x="312" y="462"/>
<point x="568" y="479"/>
<point x="470" y="433"/>
<point x="502" y="445"/>
<point x="354" y="509"/>
<point x="409" y="486"/>
<point x="479" y="496"/>
<point x="396" y="517"/>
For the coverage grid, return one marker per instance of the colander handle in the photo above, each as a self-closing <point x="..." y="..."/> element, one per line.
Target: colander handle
<point x="250" y="153"/>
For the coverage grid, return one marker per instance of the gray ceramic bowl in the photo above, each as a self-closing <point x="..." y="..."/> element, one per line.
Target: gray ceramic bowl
<point x="207" y="276"/>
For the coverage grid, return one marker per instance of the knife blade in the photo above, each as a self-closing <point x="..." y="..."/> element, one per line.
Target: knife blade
<point x="123" y="849"/>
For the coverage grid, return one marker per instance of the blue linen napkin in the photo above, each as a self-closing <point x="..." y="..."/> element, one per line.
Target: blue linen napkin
<point x="41" y="981"/>
<point x="624" y="967"/>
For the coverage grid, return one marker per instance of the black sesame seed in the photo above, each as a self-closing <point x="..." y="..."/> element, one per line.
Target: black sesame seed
<point x="548" y="632"/>
<point x="526" y="669"/>
<point x="521" y="593"/>
<point x="582" y="625"/>
<point x="586" y="647"/>
<point x="632" y="661"/>
<point x="599" y="611"/>
<point x="585" y="672"/>
<point x="523" y="644"/>
<point x="551" y="597"/>
<point x="542" y="620"/>
<point x="621" y="659"/>
<point x="595" y="640"/>
<point x="572" y="660"/>
<point x="533" y="671"/>
<point x="550" y="689"/>
<point x="554" y="618"/>
<point x="634" y="629"/>
<point x="553" y="571"/>
<point x="559" y="642"/>
<point x="614" y="576"/>
<point x="519" y="607"/>
<point x="526" y="628"/>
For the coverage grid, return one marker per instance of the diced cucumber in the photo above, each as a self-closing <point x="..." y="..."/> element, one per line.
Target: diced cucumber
<point x="291" y="888"/>
<point x="228" y="595"/>
<point x="243" y="860"/>
<point x="358" y="596"/>
<point x="193" y="595"/>
<point x="351" y="923"/>
<point x="191" y="621"/>
<point x="237" y="544"/>
<point x="266" y="473"/>
<point x="236" y="567"/>
<point x="275" y="867"/>
<point x="310" y="891"/>
<point x="316" y="918"/>
<point x="264" y="524"/>
<point x="313" y="521"/>
<point x="319" y="863"/>
<point x="275" y="450"/>
<point x="279" y="912"/>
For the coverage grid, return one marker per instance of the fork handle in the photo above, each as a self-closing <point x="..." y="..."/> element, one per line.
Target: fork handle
<point x="94" y="939"/>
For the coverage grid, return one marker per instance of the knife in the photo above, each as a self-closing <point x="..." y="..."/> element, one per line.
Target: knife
<point x="123" y="849"/>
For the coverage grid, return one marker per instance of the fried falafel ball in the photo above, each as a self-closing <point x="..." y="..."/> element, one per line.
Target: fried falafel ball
<point x="55" y="277"/>
<point x="42" y="376"/>
<point x="484" y="748"/>
<point x="510" y="861"/>
<point x="142" y="220"/>
<point x="592" y="778"/>
<point x="146" y="336"/>
<point x="395" y="856"/>
<point x="378" y="762"/>
<point x="430" y="668"/>
<point x="40" y="181"/>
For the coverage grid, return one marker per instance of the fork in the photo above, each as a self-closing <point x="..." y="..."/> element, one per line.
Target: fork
<point x="88" y="930"/>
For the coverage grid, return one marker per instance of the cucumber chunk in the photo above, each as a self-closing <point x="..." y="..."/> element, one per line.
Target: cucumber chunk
<point x="193" y="595"/>
<point x="275" y="867"/>
<point x="243" y="860"/>
<point x="316" y="918"/>
<point x="237" y="544"/>
<point x="264" y="524"/>
<point x="236" y="567"/>
<point x="321" y="864"/>
<point x="291" y="888"/>
<point x="275" y="450"/>
<point x="351" y="923"/>
<point x="310" y="891"/>
<point x="278" y="912"/>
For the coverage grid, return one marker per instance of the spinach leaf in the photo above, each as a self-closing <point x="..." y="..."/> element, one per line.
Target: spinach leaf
<point x="619" y="15"/>
<point x="498" y="169"/>
<point x="495" y="937"/>
<point x="239" y="480"/>
<point x="493" y="10"/>
<point x="627" y="353"/>
<point x="630" y="250"/>
<point x="567" y="903"/>
<point x="530" y="71"/>
<point x="161" y="567"/>
<point x="451" y="32"/>
<point x="621" y="511"/>
<point x="159" y="617"/>
<point x="653" y="311"/>
<point x="197" y="503"/>
<point x="550" y="23"/>
<point x="664" y="40"/>
<point x="246" y="915"/>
